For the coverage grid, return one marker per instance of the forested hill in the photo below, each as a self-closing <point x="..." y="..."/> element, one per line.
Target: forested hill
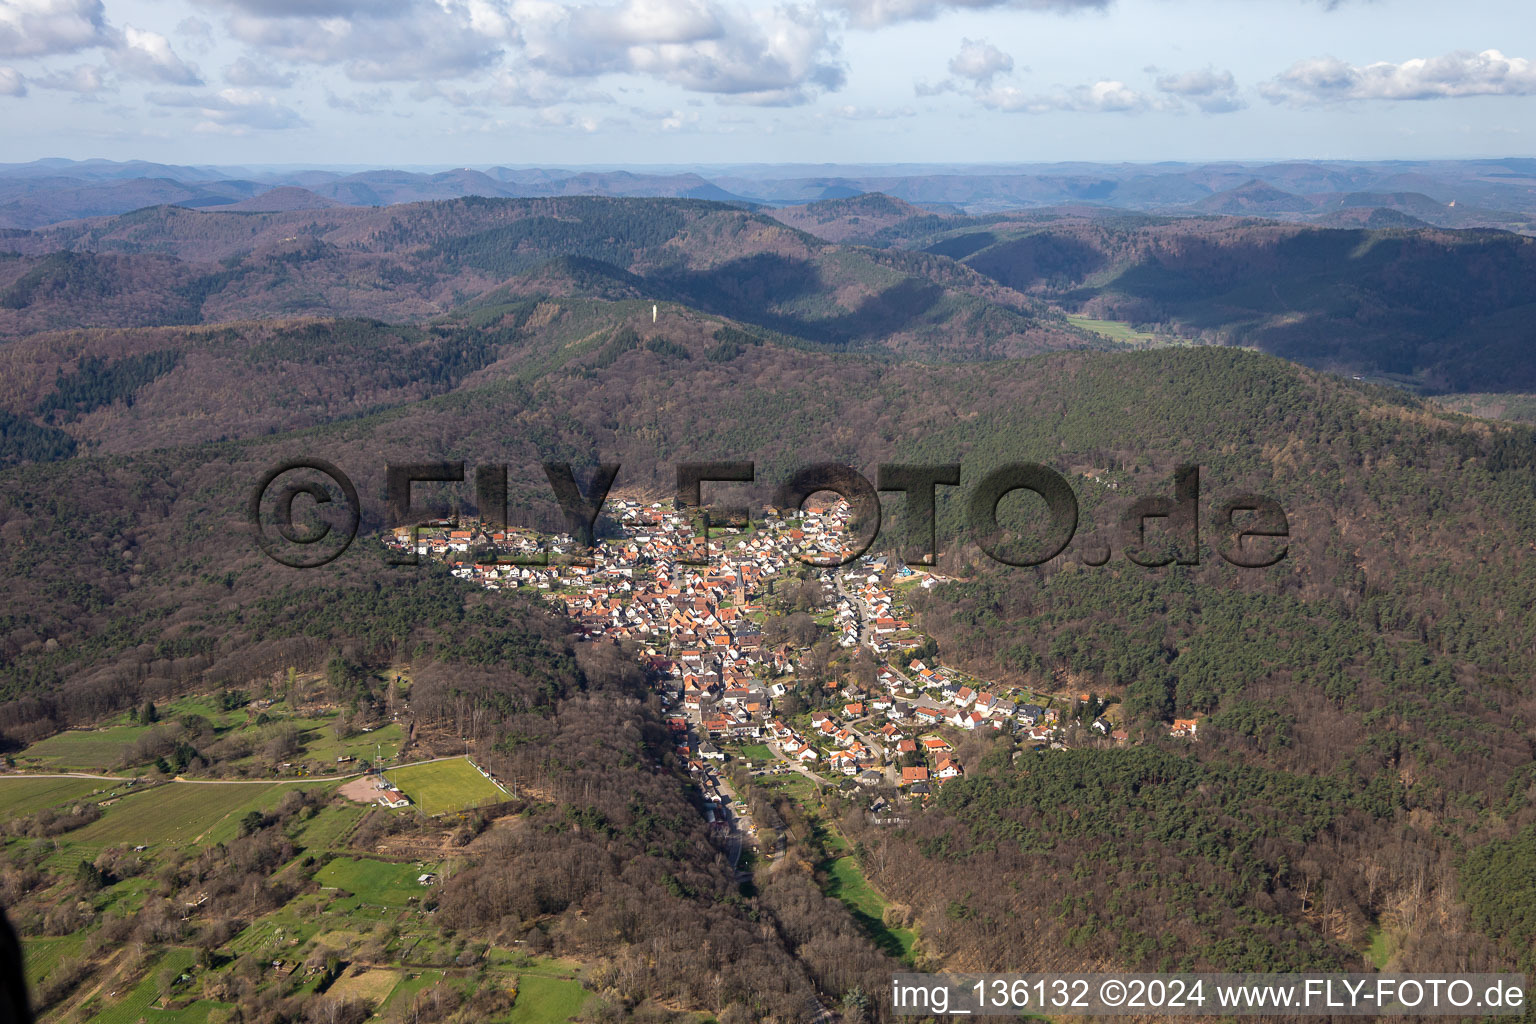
<point x="1439" y="309"/>
<point x="168" y="265"/>
<point x="1433" y="308"/>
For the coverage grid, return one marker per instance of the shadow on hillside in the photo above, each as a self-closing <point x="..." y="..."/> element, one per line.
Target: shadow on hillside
<point x="791" y="296"/>
<point x="1036" y="259"/>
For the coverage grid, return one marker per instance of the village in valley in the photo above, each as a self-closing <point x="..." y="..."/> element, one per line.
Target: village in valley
<point x="763" y="649"/>
<point x="794" y="682"/>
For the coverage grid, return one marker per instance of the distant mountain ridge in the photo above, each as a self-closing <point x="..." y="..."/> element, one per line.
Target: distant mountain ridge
<point x="1377" y="292"/>
<point x="1473" y="193"/>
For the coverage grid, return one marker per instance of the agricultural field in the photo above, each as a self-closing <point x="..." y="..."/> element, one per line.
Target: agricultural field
<point x="329" y="829"/>
<point x="370" y="984"/>
<point x="140" y="1003"/>
<point x="107" y="747"/>
<point x="43" y="955"/>
<point x="81" y="750"/>
<point x="446" y="786"/>
<point x="21" y="796"/>
<point x="274" y="935"/>
<point x="179" y="813"/>
<point x="376" y="881"/>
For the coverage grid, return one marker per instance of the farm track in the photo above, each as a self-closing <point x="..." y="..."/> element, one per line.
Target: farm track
<point x="217" y="782"/>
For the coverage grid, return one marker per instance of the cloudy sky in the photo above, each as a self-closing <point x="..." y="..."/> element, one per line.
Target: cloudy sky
<point x="447" y="82"/>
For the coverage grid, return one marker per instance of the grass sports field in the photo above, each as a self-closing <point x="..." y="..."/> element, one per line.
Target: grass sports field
<point x="445" y="786"/>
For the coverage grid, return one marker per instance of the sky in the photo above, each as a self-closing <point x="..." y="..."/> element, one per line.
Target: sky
<point x="646" y="82"/>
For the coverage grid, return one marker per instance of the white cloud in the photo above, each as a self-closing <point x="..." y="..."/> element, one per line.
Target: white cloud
<point x="84" y="79"/>
<point x="1214" y="92"/>
<point x="148" y="55"/>
<point x="247" y="72"/>
<point x="11" y="83"/>
<point x="1322" y="80"/>
<point x="586" y="123"/>
<point x="39" y="28"/>
<point x="879" y="13"/>
<point x="318" y="8"/>
<point x="848" y="112"/>
<point x="1100" y="97"/>
<point x="390" y="40"/>
<point x="233" y="111"/>
<point x="979" y="61"/>
<point x="781" y="55"/>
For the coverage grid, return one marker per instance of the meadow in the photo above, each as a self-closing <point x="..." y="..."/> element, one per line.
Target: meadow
<point x="542" y="1000"/>
<point x="1118" y="330"/>
<point x="376" y="881"/>
<point x="846" y="882"/>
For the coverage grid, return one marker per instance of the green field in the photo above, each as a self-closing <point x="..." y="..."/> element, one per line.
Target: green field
<point x="21" y="796"/>
<point x="799" y="788"/>
<point x="327" y="830"/>
<point x="1381" y="948"/>
<point x="43" y="955"/>
<point x="274" y="935"/>
<point x="180" y="814"/>
<point x="410" y="988"/>
<point x="543" y="1000"/>
<point x="1119" y="330"/>
<point x="847" y="882"/>
<point x="444" y="786"/>
<point x="101" y="750"/>
<point x="376" y="881"/>
<point x="322" y="746"/>
<point x="756" y="752"/>
<point x="82" y="750"/>
<point x="138" y="1003"/>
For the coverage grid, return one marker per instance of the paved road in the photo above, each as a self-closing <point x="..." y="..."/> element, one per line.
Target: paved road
<point x="219" y="782"/>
